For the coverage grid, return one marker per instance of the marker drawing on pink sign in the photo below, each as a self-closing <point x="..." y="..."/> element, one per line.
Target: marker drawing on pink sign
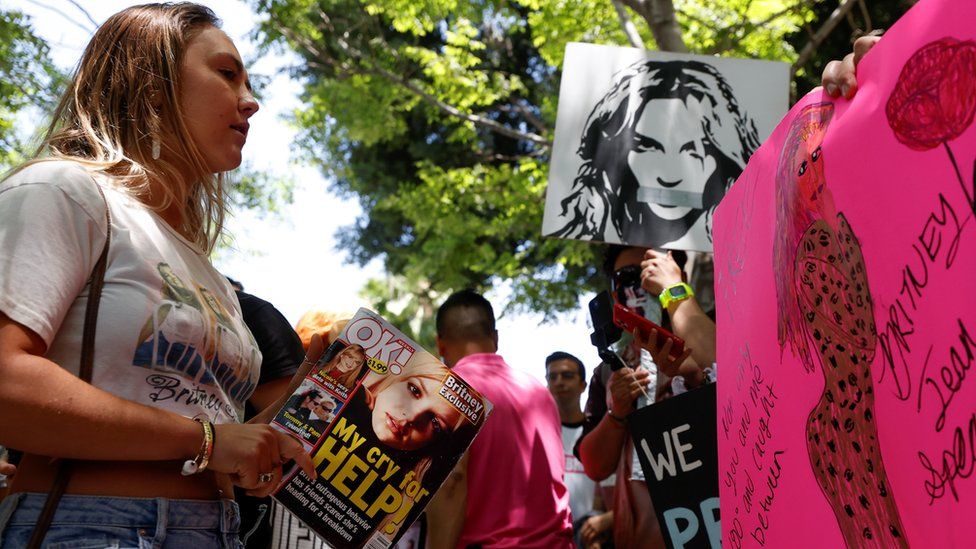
<point x="826" y="317"/>
<point x="844" y="263"/>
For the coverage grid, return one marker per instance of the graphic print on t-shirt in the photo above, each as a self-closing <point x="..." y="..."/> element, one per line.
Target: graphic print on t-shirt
<point x="190" y="333"/>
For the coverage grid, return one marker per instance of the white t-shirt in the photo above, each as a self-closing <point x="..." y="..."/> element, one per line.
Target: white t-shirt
<point x="581" y="488"/>
<point x="170" y="331"/>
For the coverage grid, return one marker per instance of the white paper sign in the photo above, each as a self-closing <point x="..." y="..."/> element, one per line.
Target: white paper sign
<point x="648" y="142"/>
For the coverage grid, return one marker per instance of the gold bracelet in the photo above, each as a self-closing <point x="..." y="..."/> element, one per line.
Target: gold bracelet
<point x="199" y="463"/>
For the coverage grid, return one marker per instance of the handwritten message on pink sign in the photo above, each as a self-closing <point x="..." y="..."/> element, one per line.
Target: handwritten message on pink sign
<point x="845" y="258"/>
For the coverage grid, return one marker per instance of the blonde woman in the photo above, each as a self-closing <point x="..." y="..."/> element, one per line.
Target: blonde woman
<point x="346" y="365"/>
<point x="158" y="109"/>
<point x="419" y="429"/>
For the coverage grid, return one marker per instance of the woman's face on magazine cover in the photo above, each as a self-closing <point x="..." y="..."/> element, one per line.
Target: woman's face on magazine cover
<point x="410" y="414"/>
<point x="349" y="360"/>
<point x="668" y="153"/>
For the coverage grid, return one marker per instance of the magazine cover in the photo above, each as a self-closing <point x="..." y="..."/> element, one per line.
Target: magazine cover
<point x="385" y="422"/>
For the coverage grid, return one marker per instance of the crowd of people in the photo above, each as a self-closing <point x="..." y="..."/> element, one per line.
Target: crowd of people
<point x="106" y="283"/>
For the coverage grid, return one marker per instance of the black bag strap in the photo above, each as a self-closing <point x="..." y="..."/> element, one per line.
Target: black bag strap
<point x="96" y="282"/>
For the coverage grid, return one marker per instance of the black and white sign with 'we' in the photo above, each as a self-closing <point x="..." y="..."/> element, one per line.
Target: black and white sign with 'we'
<point x="676" y="443"/>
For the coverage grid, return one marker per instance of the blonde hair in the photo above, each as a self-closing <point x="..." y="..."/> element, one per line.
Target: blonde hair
<point x="348" y="379"/>
<point x="125" y="92"/>
<point x="430" y="368"/>
<point x="426" y="367"/>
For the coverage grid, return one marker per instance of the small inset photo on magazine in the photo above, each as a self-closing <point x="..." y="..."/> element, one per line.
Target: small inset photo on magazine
<point x="342" y="367"/>
<point x="308" y="413"/>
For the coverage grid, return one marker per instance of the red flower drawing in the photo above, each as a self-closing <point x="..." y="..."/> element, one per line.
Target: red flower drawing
<point x="934" y="99"/>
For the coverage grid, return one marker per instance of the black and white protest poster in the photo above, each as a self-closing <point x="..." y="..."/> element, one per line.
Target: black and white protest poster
<point x="648" y="142"/>
<point x="677" y="445"/>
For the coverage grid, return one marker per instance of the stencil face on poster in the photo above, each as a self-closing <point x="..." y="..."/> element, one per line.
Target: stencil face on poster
<point x="851" y="321"/>
<point x="647" y="142"/>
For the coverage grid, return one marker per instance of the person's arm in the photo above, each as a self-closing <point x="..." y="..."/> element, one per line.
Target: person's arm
<point x="266" y="394"/>
<point x="593" y="527"/>
<point x="445" y="513"/>
<point x="691" y="324"/>
<point x="69" y="418"/>
<point x="599" y="450"/>
<point x="840" y="77"/>
<point x="688" y="320"/>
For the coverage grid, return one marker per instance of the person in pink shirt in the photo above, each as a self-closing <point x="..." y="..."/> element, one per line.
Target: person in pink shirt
<point x="507" y="491"/>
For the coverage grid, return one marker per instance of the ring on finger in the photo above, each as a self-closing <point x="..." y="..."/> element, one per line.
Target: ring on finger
<point x="265" y="478"/>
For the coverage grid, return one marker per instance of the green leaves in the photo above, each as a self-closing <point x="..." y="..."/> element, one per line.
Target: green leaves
<point x="28" y="79"/>
<point x="743" y="28"/>
<point x="438" y="116"/>
<point x="555" y="23"/>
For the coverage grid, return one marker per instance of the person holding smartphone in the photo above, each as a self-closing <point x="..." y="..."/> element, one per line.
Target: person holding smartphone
<point x="638" y="277"/>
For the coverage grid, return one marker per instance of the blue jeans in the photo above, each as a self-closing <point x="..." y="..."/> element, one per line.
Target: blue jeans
<point x="89" y="522"/>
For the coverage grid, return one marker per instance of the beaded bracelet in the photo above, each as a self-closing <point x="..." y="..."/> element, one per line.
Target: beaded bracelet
<point x="200" y="462"/>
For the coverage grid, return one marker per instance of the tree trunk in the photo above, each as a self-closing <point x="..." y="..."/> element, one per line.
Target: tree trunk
<point x="660" y="17"/>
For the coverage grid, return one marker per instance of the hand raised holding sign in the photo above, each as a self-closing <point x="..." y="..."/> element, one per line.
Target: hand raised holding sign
<point x="839" y="77"/>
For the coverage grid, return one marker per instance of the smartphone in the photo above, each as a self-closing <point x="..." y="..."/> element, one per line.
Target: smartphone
<point x="633" y="323"/>
<point x="605" y="332"/>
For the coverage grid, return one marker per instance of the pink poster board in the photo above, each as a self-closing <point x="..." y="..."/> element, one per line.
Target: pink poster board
<point x="844" y="261"/>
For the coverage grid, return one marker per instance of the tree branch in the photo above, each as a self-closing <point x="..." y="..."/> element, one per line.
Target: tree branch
<point x="496" y="157"/>
<point x="456" y="113"/>
<point x="811" y="47"/>
<point x="866" y="15"/>
<point x="363" y="67"/>
<point x="526" y="112"/>
<point x="72" y="20"/>
<point x="628" y="26"/>
<point x="86" y="14"/>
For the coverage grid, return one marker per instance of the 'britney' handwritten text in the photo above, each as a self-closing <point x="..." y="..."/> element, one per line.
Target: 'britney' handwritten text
<point x="935" y="386"/>
<point x="936" y="248"/>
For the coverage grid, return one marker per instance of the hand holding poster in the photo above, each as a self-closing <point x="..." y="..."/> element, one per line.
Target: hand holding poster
<point x="386" y="422"/>
<point x="852" y="301"/>
<point x="647" y="142"/>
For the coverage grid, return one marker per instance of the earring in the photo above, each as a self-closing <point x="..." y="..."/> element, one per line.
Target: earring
<point x="155" y="147"/>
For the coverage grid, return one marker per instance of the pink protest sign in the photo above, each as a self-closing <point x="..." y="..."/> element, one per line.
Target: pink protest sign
<point x="844" y="261"/>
